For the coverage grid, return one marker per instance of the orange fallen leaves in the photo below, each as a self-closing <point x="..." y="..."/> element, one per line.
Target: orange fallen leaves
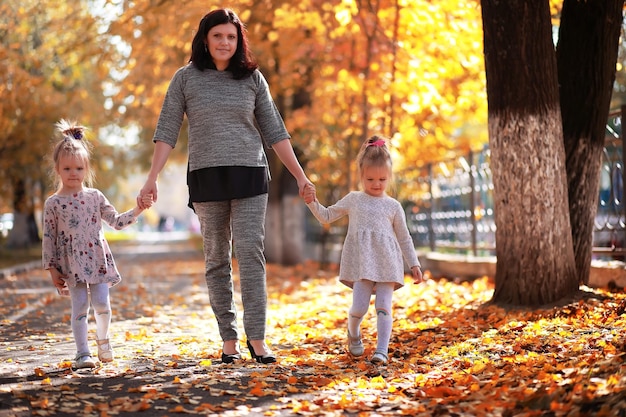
<point x="257" y="390"/>
<point x="450" y="352"/>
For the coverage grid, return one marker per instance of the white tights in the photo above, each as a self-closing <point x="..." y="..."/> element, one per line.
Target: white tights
<point x="361" y="295"/>
<point x="80" y="313"/>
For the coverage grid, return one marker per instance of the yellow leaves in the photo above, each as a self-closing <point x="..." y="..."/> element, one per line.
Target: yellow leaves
<point x="378" y="382"/>
<point x="141" y="335"/>
<point x="479" y="367"/>
<point x="273" y="36"/>
<point x="345" y="57"/>
<point x="420" y="380"/>
<point x="302" y="407"/>
<point x="344" y="17"/>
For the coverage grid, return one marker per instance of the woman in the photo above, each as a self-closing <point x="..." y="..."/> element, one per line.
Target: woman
<point x="231" y="114"/>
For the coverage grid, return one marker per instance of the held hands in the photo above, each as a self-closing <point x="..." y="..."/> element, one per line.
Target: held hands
<point x="147" y="201"/>
<point x="143" y="203"/>
<point x="306" y="189"/>
<point x="309" y="194"/>
<point x="418" y="277"/>
<point x="58" y="280"/>
<point x="147" y="195"/>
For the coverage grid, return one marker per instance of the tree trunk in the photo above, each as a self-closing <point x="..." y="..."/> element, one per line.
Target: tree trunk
<point x="25" y="231"/>
<point x="535" y="257"/>
<point x="273" y="232"/>
<point x="284" y="226"/>
<point x="586" y="57"/>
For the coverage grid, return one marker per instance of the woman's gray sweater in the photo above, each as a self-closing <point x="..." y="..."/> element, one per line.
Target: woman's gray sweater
<point x="228" y="119"/>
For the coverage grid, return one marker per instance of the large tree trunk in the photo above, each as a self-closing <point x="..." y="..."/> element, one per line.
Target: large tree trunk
<point x="586" y="58"/>
<point x="535" y="258"/>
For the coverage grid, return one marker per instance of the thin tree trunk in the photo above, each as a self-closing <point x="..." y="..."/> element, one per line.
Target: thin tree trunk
<point x="25" y="232"/>
<point x="588" y="42"/>
<point x="535" y="258"/>
<point x="292" y="209"/>
<point x="284" y="224"/>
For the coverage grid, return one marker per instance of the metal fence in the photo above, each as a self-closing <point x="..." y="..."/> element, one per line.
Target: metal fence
<point x="454" y="211"/>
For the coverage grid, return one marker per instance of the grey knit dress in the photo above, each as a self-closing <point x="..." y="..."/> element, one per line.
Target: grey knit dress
<point x="377" y="238"/>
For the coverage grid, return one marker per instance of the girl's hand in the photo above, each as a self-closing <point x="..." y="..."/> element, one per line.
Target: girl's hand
<point x="147" y="201"/>
<point x="57" y="279"/>
<point x="418" y="277"/>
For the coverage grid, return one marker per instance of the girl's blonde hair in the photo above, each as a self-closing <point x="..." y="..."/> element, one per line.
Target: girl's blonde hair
<point x="374" y="153"/>
<point x="73" y="144"/>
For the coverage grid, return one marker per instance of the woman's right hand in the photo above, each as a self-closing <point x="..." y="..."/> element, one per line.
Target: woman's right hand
<point x="161" y="153"/>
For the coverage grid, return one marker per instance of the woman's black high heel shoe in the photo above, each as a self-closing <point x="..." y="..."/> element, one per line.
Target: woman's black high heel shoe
<point x="230" y="358"/>
<point x="268" y="358"/>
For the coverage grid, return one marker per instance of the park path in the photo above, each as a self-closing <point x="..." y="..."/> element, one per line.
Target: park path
<point x="451" y="352"/>
<point x="160" y="309"/>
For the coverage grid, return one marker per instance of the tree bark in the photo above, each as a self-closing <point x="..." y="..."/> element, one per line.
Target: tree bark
<point x="535" y="257"/>
<point x="586" y="57"/>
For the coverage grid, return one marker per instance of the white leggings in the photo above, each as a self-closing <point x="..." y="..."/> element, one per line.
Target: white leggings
<point x="101" y="303"/>
<point x="361" y="295"/>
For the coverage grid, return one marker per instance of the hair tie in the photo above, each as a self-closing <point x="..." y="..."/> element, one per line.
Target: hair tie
<point x="74" y="133"/>
<point x="378" y="142"/>
<point x="69" y="130"/>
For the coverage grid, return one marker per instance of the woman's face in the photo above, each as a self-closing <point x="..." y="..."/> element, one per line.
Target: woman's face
<point x="222" y="44"/>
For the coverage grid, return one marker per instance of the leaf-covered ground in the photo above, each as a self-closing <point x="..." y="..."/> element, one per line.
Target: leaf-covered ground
<point x="450" y="354"/>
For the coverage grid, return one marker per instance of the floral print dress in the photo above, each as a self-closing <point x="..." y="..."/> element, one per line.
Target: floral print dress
<point x="73" y="238"/>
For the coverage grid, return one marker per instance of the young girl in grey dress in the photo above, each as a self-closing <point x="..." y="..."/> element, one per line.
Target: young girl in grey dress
<point x="74" y="249"/>
<point x="377" y="239"/>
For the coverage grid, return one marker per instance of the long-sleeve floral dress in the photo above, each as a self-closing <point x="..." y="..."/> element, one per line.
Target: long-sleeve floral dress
<point x="73" y="238"/>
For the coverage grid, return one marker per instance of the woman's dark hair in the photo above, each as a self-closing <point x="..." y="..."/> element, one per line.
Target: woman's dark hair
<point x="242" y="64"/>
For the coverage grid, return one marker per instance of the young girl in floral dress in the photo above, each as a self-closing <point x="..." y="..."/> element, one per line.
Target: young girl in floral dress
<point x="377" y="239"/>
<point x="74" y="249"/>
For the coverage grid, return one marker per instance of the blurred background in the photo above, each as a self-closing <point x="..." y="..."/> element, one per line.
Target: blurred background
<point x="339" y="71"/>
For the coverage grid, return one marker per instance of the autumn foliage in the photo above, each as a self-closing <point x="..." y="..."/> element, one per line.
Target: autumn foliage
<point x="339" y="71"/>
